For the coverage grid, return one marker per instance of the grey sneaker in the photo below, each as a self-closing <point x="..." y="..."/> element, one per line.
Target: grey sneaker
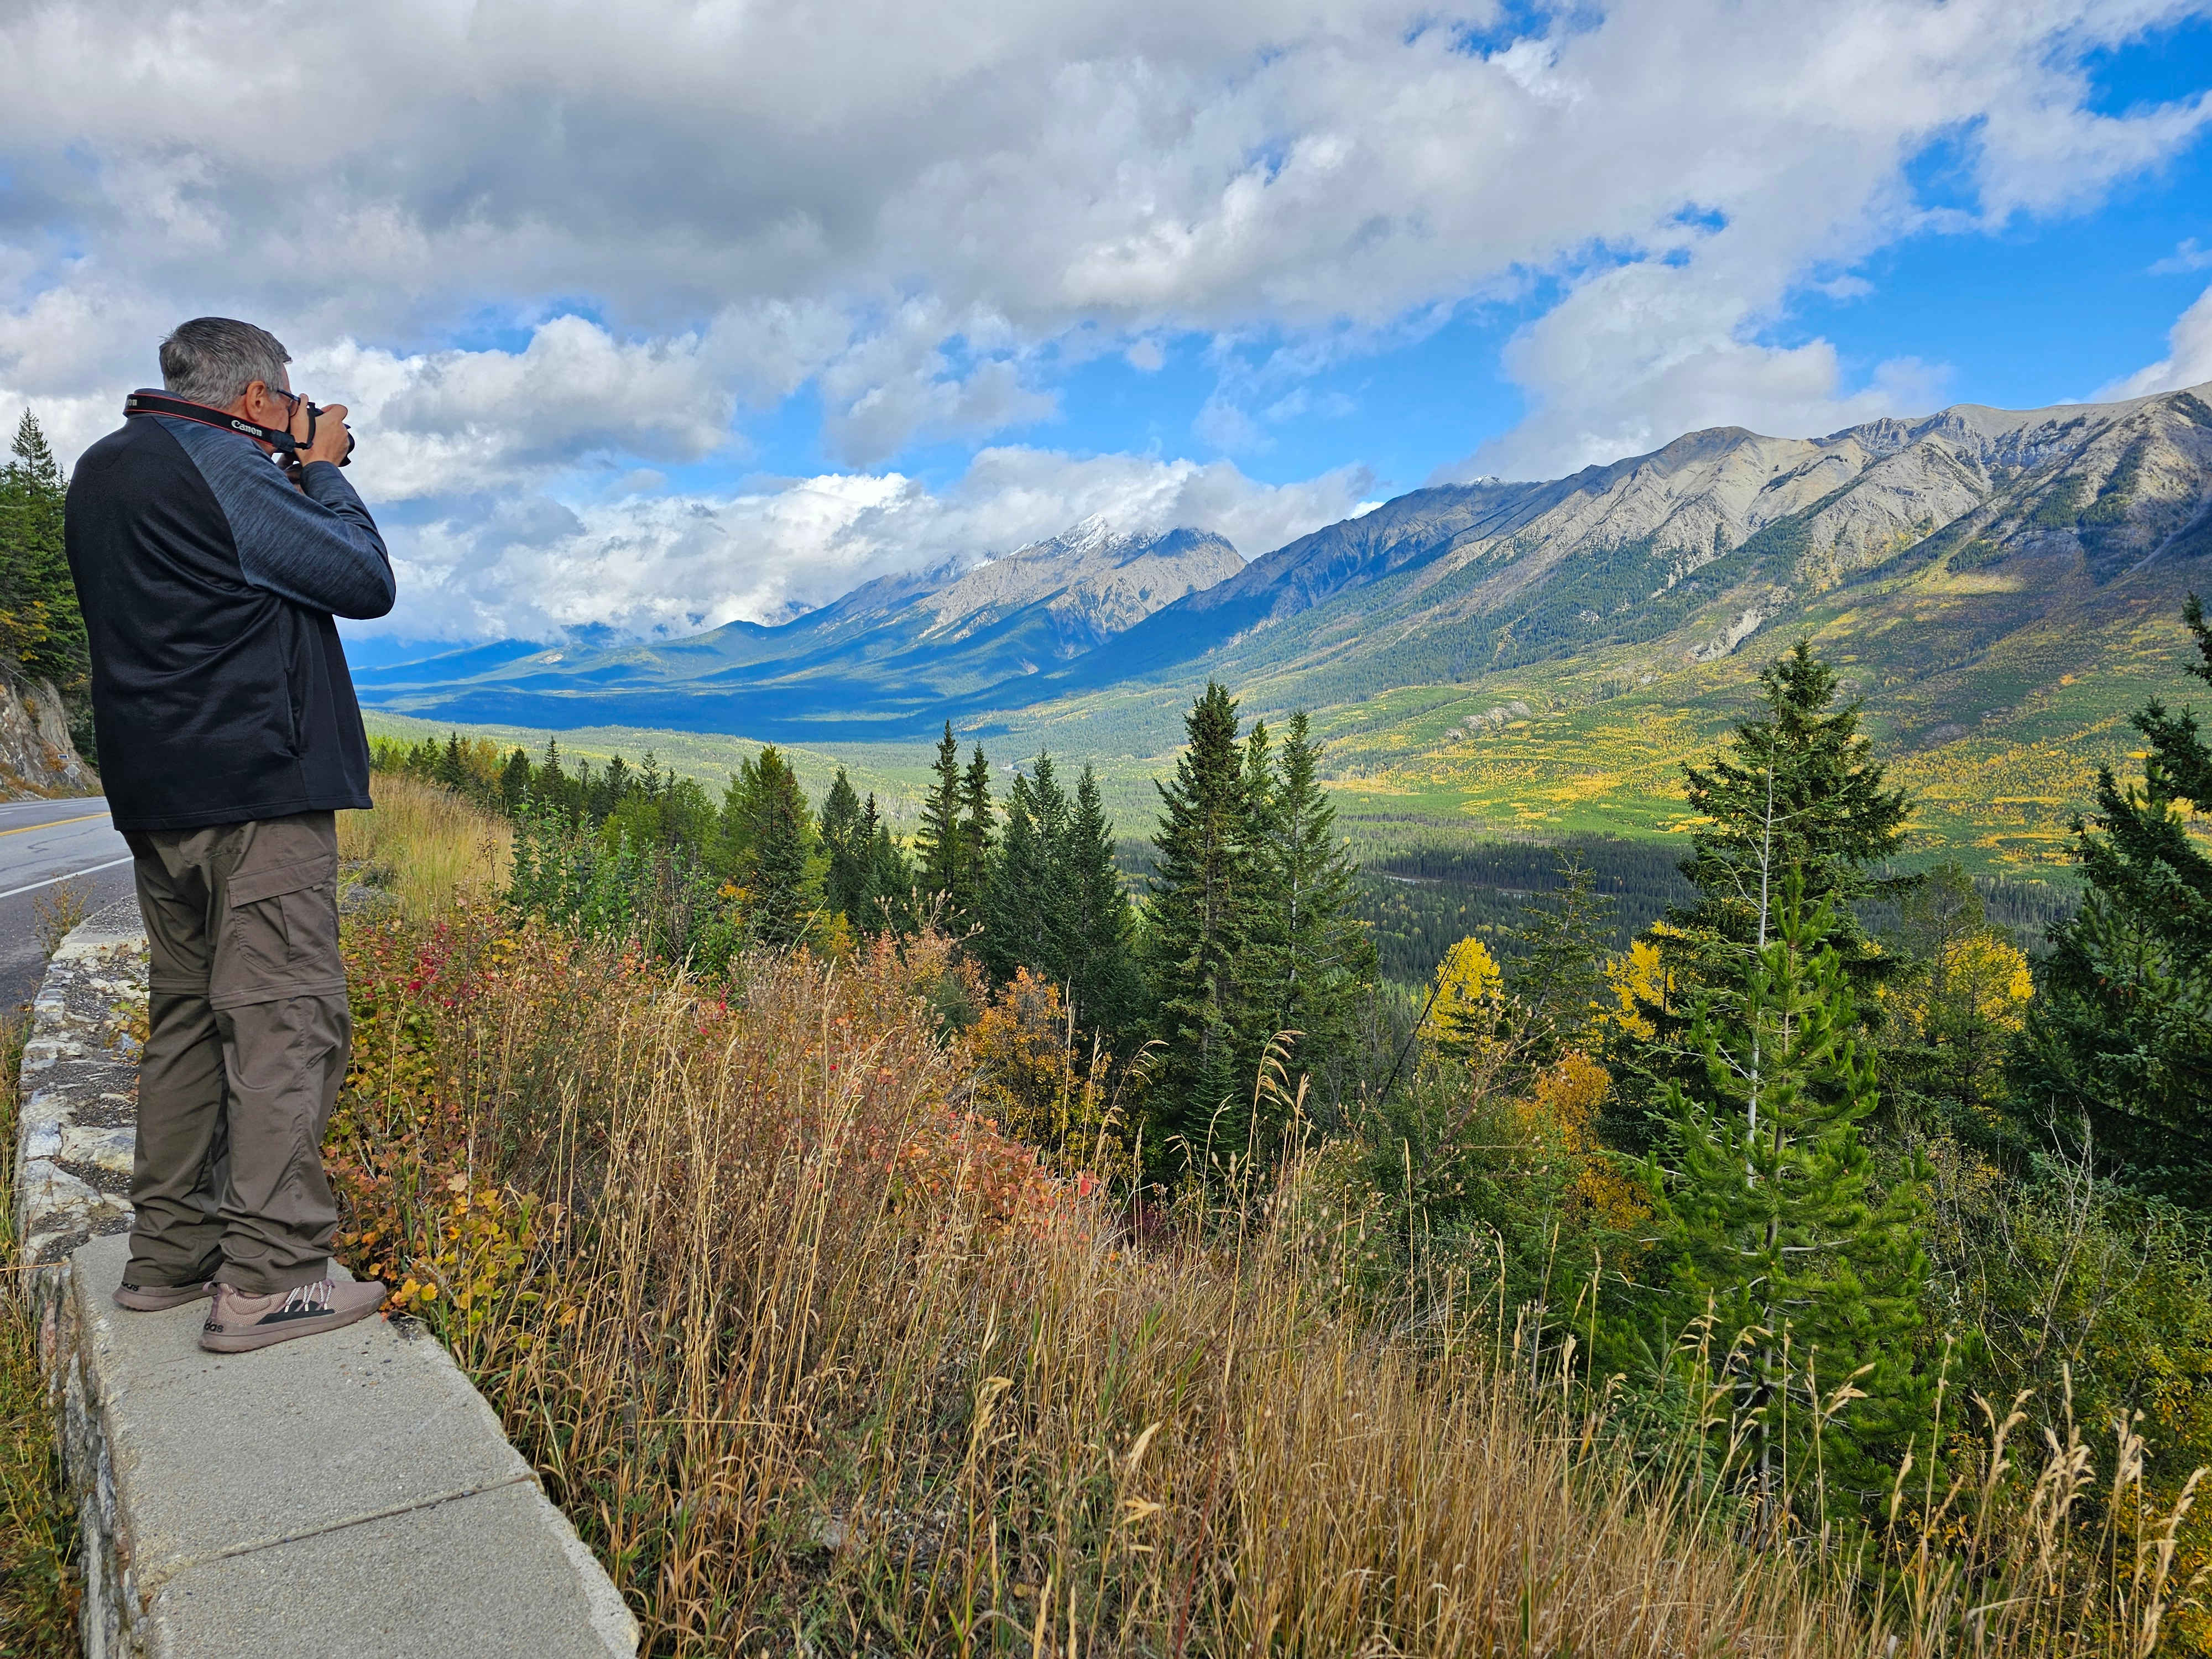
<point x="238" y="1322"/>
<point x="154" y="1298"/>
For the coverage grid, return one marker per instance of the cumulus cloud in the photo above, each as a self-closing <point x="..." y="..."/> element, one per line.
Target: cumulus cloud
<point x="2187" y="361"/>
<point x="542" y="243"/>
<point x="1644" y="353"/>
<point x="675" y="564"/>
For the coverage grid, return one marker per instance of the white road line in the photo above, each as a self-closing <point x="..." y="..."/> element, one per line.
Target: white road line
<point x="90" y="870"/>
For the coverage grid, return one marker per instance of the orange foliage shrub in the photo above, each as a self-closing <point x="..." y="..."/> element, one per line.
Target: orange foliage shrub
<point x="1024" y="1049"/>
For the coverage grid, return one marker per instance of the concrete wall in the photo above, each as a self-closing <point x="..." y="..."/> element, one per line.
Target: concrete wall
<point x="345" y="1495"/>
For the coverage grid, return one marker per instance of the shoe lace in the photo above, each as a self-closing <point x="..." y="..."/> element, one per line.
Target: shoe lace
<point x="307" y="1297"/>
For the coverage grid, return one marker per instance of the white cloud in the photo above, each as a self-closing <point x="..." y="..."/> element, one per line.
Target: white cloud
<point x="2187" y="361"/>
<point x="670" y="214"/>
<point x="674" y="564"/>
<point x="1636" y="358"/>
<point x="2186" y="258"/>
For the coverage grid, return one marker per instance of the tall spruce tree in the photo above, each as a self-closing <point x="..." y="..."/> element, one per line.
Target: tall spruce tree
<point x="2120" y="1034"/>
<point x="40" y="626"/>
<point x="939" y="844"/>
<point x="845" y="839"/>
<point x="1798" y="796"/>
<point x="1197" y="926"/>
<point x="770" y="831"/>
<point x="1770" y="1218"/>
<point x="1053" y="902"/>
<point x="1027" y="917"/>
<point x="890" y="902"/>
<point x="1104" y="983"/>
<point x="1310" y="963"/>
<point x="514" y="781"/>
<point x="1801" y="792"/>
<point x="978" y="827"/>
<point x="1558" y="975"/>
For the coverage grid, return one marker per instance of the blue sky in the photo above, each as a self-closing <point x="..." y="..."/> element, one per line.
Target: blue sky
<point x="659" y="318"/>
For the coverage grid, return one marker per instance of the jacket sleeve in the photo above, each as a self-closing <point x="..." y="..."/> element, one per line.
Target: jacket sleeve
<point x="319" y="547"/>
<point x="316" y="546"/>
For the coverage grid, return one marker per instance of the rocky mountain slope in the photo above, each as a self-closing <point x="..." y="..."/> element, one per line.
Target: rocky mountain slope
<point x="893" y="644"/>
<point x="1699" y="545"/>
<point x="1680" y="557"/>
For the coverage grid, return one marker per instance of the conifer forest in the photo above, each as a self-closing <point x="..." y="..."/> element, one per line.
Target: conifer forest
<point x="1821" y="1162"/>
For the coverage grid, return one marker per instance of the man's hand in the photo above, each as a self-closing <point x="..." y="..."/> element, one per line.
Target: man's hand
<point x="333" y="440"/>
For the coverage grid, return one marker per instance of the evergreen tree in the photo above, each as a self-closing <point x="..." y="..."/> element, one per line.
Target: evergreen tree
<point x="771" y="835"/>
<point x="977" y="822"/>
<point x="40" y="626"/>
<point x="1952" y="1011"/>
<point x="940" y="843"/>
<point x="846" y="837"/>
<point x="1801" y="793"/>
<point x="514" y="781"/>
<point x="1027" y="923"/>
<point x="890" y="889"/>
<point x="2121" y="1034"/>
<point x="1102" y="981"/>
<point x="1559" y="975"/>
<point x="1310" y="963"/>
<point x="1197" y="925"/>
<point x="1769" y="1218"/>
<point x="1800" y="797"/>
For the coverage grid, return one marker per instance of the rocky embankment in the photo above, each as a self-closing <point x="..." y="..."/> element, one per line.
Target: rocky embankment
<point x="36" y="756"/>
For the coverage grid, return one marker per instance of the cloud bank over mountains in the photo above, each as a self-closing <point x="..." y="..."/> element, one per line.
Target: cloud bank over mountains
<point x="569" y="261"/>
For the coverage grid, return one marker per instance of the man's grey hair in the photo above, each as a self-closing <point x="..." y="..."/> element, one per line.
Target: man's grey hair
<point x="212" y="360"/>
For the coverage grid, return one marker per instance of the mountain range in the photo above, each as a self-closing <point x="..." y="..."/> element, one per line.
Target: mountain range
<point x="1916" y="547"/>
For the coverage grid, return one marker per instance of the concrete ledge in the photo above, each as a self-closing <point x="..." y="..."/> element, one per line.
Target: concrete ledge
<point x="80" y="1088"/>
<point x="343" y="1495"/>
<point x="347" y="1495"/>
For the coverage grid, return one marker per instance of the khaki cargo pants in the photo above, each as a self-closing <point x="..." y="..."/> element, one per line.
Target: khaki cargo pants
<point x="246" y="1047"/>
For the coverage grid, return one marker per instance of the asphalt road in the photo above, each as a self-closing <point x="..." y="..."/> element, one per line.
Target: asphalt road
<point x="44" y="843"/>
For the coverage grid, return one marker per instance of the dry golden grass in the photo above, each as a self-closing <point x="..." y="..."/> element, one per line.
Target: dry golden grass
<point x="426" y="845"/>
<point x="820" y="1362"/>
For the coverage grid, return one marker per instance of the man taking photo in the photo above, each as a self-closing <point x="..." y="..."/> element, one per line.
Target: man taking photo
<point x="229" y="738"/>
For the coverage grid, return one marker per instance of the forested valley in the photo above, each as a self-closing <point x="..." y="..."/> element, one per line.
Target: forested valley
<point x="1783" y="1129"/>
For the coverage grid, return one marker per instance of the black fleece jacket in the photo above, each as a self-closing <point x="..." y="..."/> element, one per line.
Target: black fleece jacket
<point x="220" y="692"/>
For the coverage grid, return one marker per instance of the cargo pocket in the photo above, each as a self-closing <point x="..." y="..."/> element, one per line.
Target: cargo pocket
<point x="279" y="933"/>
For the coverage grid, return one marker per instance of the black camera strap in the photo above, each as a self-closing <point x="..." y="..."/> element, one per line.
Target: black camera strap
<point x="157" y="403"/>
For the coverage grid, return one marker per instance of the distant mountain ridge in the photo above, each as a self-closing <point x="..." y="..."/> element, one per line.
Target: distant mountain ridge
<point x="1682" y="554"/>
<point x="909" y="641"/>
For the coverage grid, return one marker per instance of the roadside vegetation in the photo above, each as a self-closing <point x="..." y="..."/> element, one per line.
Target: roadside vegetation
<point x="39" y="1587"/>
<point x="889" y="1245"/>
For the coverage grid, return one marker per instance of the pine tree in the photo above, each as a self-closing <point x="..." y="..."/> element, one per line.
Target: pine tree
<point x="846" y="838"/>
<point x="1197" y="925"/>
<point x="1559" y="975"/>
<point x="514" y="781"/>
<point x="1769" y="1218"/>
<point x="938" y="843"/>
<point x="1025" y="912"/>
<point x="1952" y="1012"/>
<point x="1802" y="792"/>
<point x="771" y="832"/>
<point x="2121" y="1034"/>
<point x="1103" y="984"/>
<point x="890" y="890"/>
<point x="977" y="825"/>
<point x="1799" y="797"/>
<point x="1311" y="962"/>
<point x="41" y="629"/>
